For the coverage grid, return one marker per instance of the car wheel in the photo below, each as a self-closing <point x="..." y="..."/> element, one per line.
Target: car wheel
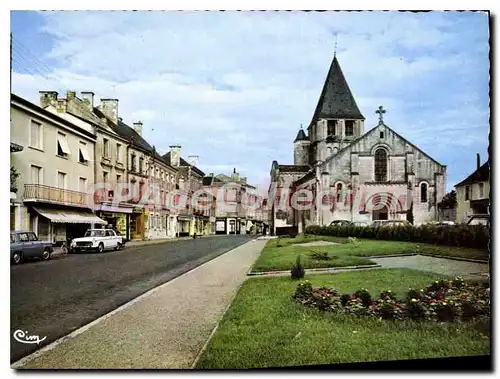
<point x="100" y="248"/>
<point x="118" y="246"/>
<point x="46" y="255"/>
<point x="17" y="258"/>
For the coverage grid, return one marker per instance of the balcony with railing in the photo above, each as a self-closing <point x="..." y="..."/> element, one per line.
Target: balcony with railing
<point x="47" y="194"/>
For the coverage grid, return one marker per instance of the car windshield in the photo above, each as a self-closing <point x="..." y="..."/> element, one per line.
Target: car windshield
<point x="94" y="233"/>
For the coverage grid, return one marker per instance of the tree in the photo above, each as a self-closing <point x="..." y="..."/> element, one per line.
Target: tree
<point x="13" y="179"/>
<point x="449" y="200"/>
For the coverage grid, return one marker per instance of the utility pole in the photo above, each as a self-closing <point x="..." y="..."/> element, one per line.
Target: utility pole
<point x="11" y="62"/>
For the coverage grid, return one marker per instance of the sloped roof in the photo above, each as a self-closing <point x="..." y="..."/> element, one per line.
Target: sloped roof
<point x="183" y="163"/>
<point x="305" y="178"/>
<point x="223" y="177"/>
<point x="301" y="136"/>
<point x="480" y="175"/>
<point x="293" y="168"/>
<point x="336" y="100"/>
<point x="128" y="132"/>
<point x="207" y="180"/>
<point x="353" y="142"/>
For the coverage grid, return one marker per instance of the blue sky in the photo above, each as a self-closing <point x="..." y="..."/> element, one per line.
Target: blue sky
<point x="234" y="87"/>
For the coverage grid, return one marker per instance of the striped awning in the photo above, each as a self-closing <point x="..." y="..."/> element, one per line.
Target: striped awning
<point x="70" y="217"/>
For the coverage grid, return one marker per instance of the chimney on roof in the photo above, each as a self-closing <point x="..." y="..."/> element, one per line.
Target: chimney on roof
<point x="70" y="95"/>
<point x="48" y="98"/>
<point x="478" y="161"/>
<point x="88" y="98"/>
<point x="193" y="160"/>
<point x="61" y="105"/>
<point x="138" y="127"/>
<point x="175" y="155"/>
<point x="236" y="176"/>
<point x="110" y="108"/>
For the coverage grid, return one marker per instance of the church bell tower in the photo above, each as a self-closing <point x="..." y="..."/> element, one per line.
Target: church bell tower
<point x="337" y="120"/>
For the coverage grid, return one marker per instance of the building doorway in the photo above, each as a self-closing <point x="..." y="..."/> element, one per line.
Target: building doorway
<point x="380" y="214"/>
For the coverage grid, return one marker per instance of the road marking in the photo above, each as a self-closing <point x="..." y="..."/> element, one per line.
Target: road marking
<point x="23" y="361"/>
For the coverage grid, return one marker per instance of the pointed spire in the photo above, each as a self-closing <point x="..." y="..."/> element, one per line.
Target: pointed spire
<point x="336" y="100"/>
<point x="301" y="136"/>
<point x="335" y="51"/>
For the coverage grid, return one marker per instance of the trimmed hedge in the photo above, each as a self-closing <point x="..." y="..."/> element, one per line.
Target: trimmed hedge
<point x="474" y="236"/>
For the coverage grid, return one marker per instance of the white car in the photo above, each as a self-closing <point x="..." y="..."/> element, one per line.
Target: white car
<point x="479" y="219"/>
<point x="97" y="240"/>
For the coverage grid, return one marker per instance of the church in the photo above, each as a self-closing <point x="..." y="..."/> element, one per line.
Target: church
<point x="341" y="172"/>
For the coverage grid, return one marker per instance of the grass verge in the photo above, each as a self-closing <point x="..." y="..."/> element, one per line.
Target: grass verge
<point x="265" y="328"/>
<point x="281" y="253"/>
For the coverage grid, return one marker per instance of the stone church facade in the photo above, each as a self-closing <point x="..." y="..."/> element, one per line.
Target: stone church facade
<point x="342" y="173"/>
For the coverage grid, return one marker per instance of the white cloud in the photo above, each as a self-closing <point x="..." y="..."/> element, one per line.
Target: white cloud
<point x="234" y="87"/>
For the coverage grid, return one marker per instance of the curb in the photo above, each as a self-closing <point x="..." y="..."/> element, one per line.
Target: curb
<point x="52" y="345"/>
<point x="456" y="258"/>
<point x="392" y="256"/>
<point x="428" y="255"/>
<point x="313" y="270"/>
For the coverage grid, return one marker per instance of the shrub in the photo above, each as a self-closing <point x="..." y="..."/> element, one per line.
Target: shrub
<point x="319" y="255"/>
<point x="416" y="310"/>
<point x="344" y="299"/>
<point x="475" y="236"/>
<point x="387" y="295"/>
<point x="413" y="294"/>
<point x="354" y="241"/>
<point x="364" y="296"/>
<point x="297" y="270"/>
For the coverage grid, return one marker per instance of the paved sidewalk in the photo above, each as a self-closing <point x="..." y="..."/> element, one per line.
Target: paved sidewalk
<point x="165" y="328"/>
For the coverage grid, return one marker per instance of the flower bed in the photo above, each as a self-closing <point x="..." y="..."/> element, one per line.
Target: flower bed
<point x="443" y="301"/>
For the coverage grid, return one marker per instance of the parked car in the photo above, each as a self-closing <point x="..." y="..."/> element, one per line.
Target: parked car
<point x="440" y="223"/>
<point x="360" y="223"/>
<point x="26" y="245"/>
<point x="391" y="223"/>
<point x="97" y="240"/>
<point x="479" y="219"/>
<point x="340" y="223"/>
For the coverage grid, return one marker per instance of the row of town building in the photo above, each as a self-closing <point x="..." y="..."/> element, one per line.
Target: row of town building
<point x="76" y="164"/>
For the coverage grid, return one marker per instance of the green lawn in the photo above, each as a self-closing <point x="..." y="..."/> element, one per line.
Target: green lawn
<point x="265" y="328"/>
<point x="276" y="257"/>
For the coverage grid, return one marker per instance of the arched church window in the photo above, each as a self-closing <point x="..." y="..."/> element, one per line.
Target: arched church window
<point x="328" y="151"/>
<point x="423" y="193"/>
<point x="339" y="192"/>
<point x="349" y="128"/>
<point x="335" y="149"/>
<point x="380" y="165"/>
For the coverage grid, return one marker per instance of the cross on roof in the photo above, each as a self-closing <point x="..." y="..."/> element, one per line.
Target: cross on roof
<point x="335" y="51"/>
<point x="380" y="111"/>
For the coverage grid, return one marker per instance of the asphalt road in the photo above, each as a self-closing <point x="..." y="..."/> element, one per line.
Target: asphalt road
<point x="51" y="299"/>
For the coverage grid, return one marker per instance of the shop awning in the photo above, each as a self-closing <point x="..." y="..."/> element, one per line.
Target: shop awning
<point x="70" y="217"/>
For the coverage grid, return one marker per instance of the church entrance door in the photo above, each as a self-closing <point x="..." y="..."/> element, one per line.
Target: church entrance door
<point x="380" y="214"/>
